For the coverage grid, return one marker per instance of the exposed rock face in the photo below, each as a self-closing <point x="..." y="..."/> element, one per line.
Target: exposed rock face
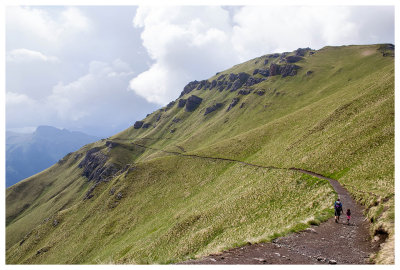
<point x="309" y="72"/>
<point x="233" y="103"/>
<point x="264" y="72"/>
<point x="203" y="83"/>
<point x="239" y="80"/>
<point x="275" y="55"/>
<point x="146" y="125"/>
<point x="293" y="59"/>
<point x="182" y="103"/>
<point x="232" y="77"/>
<point x="282" y="58"/>
<point x="171" y="104"/>
<point x="138" y="124"/>
<point x="252" y="81"/>
<point x="302" y="51"/>
<point x="95" y="167"/>
<point x="387" y="50"/>
<point x="236" y="85"/>
<point x="189" y="87"/>
<point x="242" y="76"/>
<point x="244" y="92"/>
<point x="213" y="108"/>
<point x="111" y="144"/>
<point x="233" y="82"/>
<point x="285" y="70"/>
<point x="221" y="77"/>
<point x="274" y="69"/>
<point x="192" y="103"/>
<point x="289" y="70"/>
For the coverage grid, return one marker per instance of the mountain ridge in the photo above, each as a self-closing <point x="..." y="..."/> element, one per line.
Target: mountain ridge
<point x="28" y="154"/>
<point x="333" y="116"/>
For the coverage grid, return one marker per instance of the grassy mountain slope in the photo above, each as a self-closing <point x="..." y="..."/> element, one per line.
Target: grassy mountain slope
<point x="334" y="115"/>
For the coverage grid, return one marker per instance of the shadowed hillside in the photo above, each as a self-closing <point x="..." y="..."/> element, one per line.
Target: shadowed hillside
<point x="28" y="154"/>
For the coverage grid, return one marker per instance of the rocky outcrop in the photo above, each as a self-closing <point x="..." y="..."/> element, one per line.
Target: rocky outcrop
<point x="189" y="87"/>
<point x="293" y="59"/>
<point x="386" y="50"/>
<point x="146" y="125"/>
<point x="264" y="72"/>
<point x="203" y="84"/>
<point x="182" y="103"/>
<point x="233" y="103"/>
<point x="238" y="80"/>
<point x="171" y="104"/>
<point x="213" y="108"/>
<point x="244" y="92"/>
<point x="252" y="81"/>
<point x="95" y="166"/>
<point x="221" y="77"/>
<point x="138" y="124"/>
<point x="192" y="103"/>
<point x="302" y="51"/>
<point x="274" y="69"/>
<point x="284" y="70"/>
<point x="289" y="70"/>
<point x="111" y="144"/>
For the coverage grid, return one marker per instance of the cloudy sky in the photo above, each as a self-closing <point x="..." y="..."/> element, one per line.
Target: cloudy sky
<point x="98" y="69"/>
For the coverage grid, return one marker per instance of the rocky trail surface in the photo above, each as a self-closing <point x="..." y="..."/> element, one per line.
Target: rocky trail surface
<point x="328" y="243"/>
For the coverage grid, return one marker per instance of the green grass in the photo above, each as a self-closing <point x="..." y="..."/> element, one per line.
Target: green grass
<point x="338" y="121"/>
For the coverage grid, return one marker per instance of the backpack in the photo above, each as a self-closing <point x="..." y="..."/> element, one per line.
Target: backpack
<point x="338" y="205"/>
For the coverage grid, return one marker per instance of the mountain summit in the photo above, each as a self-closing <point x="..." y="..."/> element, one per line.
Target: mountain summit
<point x="28" y="154"/>
<point x="214" y="169"/>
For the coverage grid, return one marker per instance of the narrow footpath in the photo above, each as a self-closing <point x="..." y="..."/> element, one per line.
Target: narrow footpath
<point x="328" y="243"/>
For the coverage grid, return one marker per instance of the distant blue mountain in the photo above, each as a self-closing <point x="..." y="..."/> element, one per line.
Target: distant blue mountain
<point x="28" y="154"/>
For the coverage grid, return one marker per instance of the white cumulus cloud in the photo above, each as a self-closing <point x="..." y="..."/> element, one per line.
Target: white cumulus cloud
<point x="98" y="98"/>
<point x="184" y="43"/>
<point x="26" y="55"/>
<point x="188" y="43"/>
<point x="37" y="26"/>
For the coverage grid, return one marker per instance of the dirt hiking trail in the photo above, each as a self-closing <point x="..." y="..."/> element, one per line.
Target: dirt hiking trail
<point x="328" y="243"/>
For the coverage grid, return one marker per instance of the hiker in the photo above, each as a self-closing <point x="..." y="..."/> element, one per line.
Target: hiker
<point x="338" y="210"/>
<point x="348" y="214"/>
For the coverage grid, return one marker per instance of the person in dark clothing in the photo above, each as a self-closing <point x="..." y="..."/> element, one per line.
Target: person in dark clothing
<point x="338" y="209"/>
<point x="348" y="214"/>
